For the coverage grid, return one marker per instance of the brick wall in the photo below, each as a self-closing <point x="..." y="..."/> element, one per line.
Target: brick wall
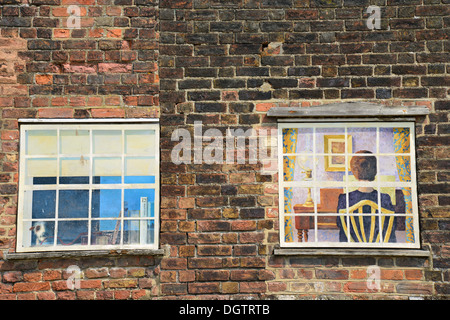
<point x="225" y="63"/>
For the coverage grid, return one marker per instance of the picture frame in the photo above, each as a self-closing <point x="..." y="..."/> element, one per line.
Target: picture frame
<point x="335" y="144"/>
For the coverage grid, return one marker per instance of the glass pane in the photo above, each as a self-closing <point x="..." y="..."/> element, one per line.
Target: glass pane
<point x="139" y="202"/>
<point x="74" y="142"/>
<point x="140" y="166"/>
<point x="42" y="233"/>
<point x="362" y="139"/>
<point x="398" y="168"/>
<point x="298" y="168"/>
<point x="107" y="141"/>
<point x="107" y="170"/>
<point x="299" y="200"/>
<point x="72" y="233"/>
<point x="41" y="142"/>
<point x="395" y="140"/>
<point x="289" y="229"/>
<point x="327" y="229"/>
<point x="298" y="140"/>
<point x="73" y="204"/>
<point x="75" y="167"/>
<point x="331" y="168"/>
<point x="304" y="229"/>
<point x="330" y="140"/>
<point x="139" y="232"/>
<point x="45" y="167"/>
<point x="140" y="142"/>
<point x="106" y="203"/>
<point x="331" y="200"/>
<point x="105" y="232"/>
<point x="43" y="204"/>
<point x="140" y="179"/>
<point x="44" y="180"/>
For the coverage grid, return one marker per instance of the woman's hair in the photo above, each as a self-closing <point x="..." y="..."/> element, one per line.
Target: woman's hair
<point x="364" y="167"/>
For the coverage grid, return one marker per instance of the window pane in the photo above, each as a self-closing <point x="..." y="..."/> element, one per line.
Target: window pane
<point x="107" y="141"/>
<point x="304" y="229"/>
<point x="106" y="203"/>
<point x="41" y="142"/>
<point x="72" y="233"/>
<point x="44" y="204"/>
<point x="41" y="167"/>
<point x="139" y="232"/>
<point x="42" y="233"/>
<point x="299" y="200"/>
<point x="44" y="180"/>
<point x="398" y="168"/>
<point x="73" y="204"/>
<point x="327" y="229"/>
<point x="74" y="170"/>
<point x="140" y="142"/>
<point x="329" y="140"/>
<point x="298" y="168"/>
<point x="140" y="166"/>
<point x="74" y="142"/>
<point x="363" y="139"/>
<point x="140" y="179"/>
<point x="105" y="232"/>
<point x="107" y="170"/>
<point x="395" y="140"/>
<point x="298" y="140"/>
<point x="139" y="202"/>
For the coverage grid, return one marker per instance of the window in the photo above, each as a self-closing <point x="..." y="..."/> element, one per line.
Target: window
<point x="348" y="184"/>
<point x="88" y="186"/>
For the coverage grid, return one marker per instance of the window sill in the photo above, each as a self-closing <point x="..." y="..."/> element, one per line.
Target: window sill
<point x="419" y="253"/>
<point x="81" y="254"/>
<point x="348" y="110"/>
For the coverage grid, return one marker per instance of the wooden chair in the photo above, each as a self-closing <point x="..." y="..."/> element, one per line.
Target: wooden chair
<point x="359" y="231"/>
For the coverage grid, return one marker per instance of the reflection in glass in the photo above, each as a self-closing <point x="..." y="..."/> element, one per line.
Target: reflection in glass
<point x="139" y="202"/>
<point x="42" y="233"/>
<point x="72" y="232"/>
<point x="73" y="204"/>
<point x="139" y="232"/>
<point x="105" y="232"/>
<point x="106" y="203"/>
<point x="107" y="141"/>
<point x="41" y="142"/>
<point x="74" y="142"/>
<point x="140" y="142"/>
<point x="43" y="204"/>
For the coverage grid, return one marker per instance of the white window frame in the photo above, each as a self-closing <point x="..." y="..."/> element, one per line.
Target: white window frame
<point x="93" y="124"/>
<point x="315" y="185"/>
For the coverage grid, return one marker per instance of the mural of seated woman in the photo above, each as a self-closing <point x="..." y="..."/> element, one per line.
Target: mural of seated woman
<point x="364" y="168"/>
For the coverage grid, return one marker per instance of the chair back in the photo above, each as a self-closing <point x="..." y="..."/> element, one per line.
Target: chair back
<point x="356" y="212"/>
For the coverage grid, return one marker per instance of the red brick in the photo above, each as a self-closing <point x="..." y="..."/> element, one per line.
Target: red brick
<point x="114" y="67"/>
<point x="174" y="263"/>
<point x="55" y="113"/>
<point x="252" y="287"/>
<point x="12" y="276"/>
<point x="32" y="286"/>
<point x="108" y="113"/>
<point x="10" y="135"/>
<point x="204" y="287"/>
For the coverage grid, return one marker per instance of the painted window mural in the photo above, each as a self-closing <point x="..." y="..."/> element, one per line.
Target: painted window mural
<point x="88" y="186"/>
<point x="348" y="185"/>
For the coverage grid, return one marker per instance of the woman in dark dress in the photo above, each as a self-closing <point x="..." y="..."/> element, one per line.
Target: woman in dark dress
<point x="364" y="168"/>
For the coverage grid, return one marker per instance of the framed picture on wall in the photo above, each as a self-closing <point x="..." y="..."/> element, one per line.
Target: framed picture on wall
<point x="336" y="146"/>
